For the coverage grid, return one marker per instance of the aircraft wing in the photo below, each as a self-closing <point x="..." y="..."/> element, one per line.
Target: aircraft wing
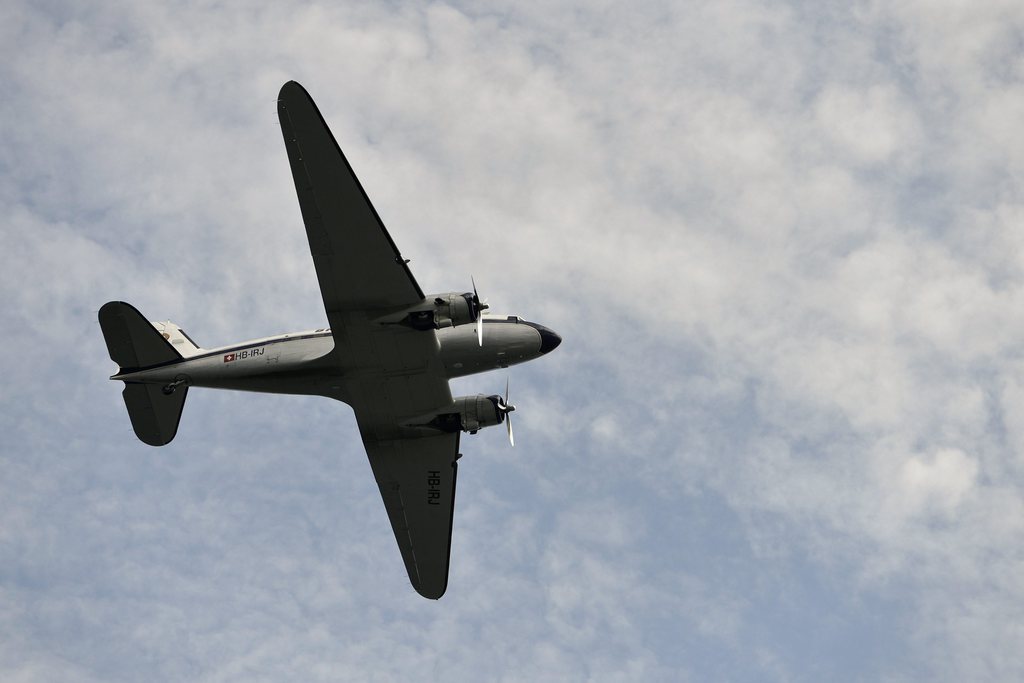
<point x="361" y="274"/>
<point x="357" y="263"/>
<point x="415" y="470"/>
<point x="388" y="373"/>
<point x="417" y="481"/>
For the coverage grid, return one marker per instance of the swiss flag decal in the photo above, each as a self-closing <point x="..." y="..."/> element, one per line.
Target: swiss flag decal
<point x="228" y="357"/>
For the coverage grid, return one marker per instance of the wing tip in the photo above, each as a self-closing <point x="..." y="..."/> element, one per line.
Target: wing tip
<point x="290" y="88"/>
<point x="431" y="595"/>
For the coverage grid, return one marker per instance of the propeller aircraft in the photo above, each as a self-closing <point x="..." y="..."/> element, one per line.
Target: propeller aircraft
<point x="388" y="353"/>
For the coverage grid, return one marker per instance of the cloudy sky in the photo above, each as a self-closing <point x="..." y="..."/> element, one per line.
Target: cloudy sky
<point x="783" y="439"/>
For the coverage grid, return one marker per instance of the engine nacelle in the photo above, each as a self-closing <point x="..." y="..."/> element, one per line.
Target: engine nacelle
<point x="448" y="310"/>
<point x="470" y="414"/>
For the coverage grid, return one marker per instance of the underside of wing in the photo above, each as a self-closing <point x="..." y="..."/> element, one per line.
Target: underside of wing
<point x="390" y="373"/>
<point x="417" y="482"/>
<point x="357" y="263"/>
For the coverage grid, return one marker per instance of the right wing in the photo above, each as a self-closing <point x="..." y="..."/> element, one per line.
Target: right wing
<point x="417" y="481"/>
<point x="357" y="263"/>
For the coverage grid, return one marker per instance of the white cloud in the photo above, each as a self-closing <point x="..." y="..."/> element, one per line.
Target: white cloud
<point x="938" y="483"/>
<point x="782" y="244"/>
<point x="870" y="125"/>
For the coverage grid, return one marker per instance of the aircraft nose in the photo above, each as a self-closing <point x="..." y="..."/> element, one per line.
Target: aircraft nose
<point x="549" y="339"/>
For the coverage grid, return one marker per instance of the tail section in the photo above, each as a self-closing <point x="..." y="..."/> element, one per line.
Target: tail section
<point x="154" y="414"/>
<point x="132" y="341"/>
<point x="136" y="344"/>
<point x="181" y="342"/>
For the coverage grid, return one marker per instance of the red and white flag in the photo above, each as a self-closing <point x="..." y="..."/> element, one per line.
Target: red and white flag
<point x="228" y="357"/>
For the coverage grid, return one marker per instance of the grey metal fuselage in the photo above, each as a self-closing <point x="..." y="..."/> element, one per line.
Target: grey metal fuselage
<point x="305" y="362"/>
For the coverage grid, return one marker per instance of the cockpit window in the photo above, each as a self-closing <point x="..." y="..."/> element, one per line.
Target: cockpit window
<point x="514" y="319"/>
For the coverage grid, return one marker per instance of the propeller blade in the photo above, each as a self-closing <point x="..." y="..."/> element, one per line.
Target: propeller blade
<point x="480" y="308"/>
<point x="508" y="416"/>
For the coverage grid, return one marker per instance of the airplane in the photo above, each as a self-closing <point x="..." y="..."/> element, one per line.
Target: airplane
<point x="388" y="352"/>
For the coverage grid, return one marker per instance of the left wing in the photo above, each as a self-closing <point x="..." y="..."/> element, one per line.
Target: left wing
<point x="417" y="481"/>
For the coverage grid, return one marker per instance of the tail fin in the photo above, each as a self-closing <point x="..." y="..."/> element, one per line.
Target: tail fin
<point x="135" y="344"/>
<point x="181" y="342"/>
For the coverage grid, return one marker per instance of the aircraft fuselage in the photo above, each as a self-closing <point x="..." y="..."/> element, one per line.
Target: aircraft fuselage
<point x="305" y="362"/>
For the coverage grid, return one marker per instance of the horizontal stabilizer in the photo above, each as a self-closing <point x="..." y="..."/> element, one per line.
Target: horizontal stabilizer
<point x="154" y="414"/>
<point x="132" y="341"/>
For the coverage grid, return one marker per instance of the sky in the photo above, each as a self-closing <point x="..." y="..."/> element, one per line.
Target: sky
<point x="782" y="440"/>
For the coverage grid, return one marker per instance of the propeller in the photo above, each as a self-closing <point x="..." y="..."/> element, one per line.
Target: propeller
<point x="479" y="307"/>
<point x="507" y="408"/>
